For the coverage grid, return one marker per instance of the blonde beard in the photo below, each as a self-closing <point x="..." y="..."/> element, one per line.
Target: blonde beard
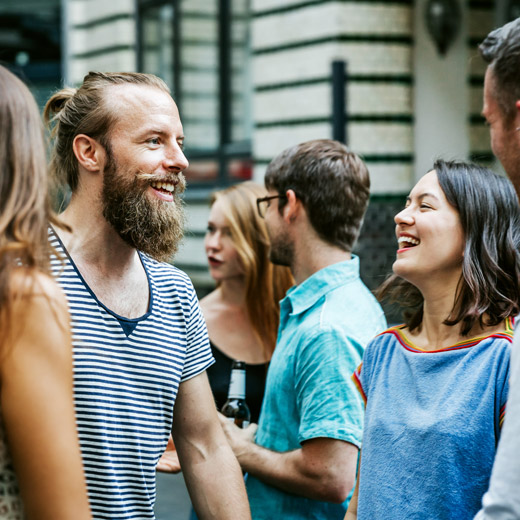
<point x="153" y="227"/>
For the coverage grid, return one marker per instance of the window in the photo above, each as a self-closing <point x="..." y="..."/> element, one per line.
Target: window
<point x="201" y="48"/>
<point x="30" y="44"/>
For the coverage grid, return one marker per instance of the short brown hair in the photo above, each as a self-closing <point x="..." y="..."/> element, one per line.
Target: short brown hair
<point x="84" y="110"/>
<point x="332" y="182"/>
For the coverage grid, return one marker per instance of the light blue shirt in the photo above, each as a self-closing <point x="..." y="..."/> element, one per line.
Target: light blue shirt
<point x="432" y="424"/>
<point x="325" y="323"/>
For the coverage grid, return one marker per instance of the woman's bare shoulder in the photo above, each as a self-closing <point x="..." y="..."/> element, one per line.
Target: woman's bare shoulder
<point x="210" y="303"/>
<point x="33" y="285"/>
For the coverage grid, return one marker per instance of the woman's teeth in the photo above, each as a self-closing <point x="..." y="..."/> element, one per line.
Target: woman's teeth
<point x="408" y="241"/>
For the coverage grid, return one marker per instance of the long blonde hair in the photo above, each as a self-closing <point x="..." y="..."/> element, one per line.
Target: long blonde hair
<point x="266" y="284"/>
<point x="24" y="201"/>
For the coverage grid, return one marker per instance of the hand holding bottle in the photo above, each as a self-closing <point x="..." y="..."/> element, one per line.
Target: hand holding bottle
<point x="239" y="439"/>
<point x="235" y="408"/>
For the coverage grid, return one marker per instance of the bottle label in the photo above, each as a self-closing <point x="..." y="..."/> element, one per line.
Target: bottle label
<point x="240" y="423"/>
<point x="237" y="384"/>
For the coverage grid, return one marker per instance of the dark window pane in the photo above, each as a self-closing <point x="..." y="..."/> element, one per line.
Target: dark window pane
<point x="241" y="85"/>
<point x="199" y="69"/>
<point x="157" y="42"/>
<point x="30" y="44"/>
<point x="240" y="169"/>
<point x="202" y="170"/>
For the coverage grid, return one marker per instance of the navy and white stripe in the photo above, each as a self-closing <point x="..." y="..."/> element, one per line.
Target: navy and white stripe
<point x="126" y="378"/>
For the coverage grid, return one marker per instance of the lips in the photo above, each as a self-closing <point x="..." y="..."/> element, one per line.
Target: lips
<point x="214" y="262"/>
<point x="407" y="242"/>
<point x="164" y="189"/>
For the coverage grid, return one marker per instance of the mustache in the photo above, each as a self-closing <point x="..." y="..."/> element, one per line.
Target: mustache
<point x="177" y="179"/>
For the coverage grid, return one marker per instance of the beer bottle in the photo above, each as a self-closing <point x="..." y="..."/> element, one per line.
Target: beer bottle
<point x="235" y="408"/>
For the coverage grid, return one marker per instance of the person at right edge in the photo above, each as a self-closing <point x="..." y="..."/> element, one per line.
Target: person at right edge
<point x="501" y="50"/>
<point x="302" y="462"/>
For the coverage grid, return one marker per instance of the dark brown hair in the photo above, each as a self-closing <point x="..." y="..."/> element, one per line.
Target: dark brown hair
<point x="490" y="282"/>
<point x="332" y="182"/>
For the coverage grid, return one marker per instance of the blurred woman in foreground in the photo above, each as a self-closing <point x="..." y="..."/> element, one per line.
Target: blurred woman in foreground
<point x="41" y="473"/>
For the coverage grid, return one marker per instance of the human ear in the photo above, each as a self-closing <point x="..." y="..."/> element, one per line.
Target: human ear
<point x="517" y="115"/>
<point x="88" y="152"/>
<point x="292" y="207"/>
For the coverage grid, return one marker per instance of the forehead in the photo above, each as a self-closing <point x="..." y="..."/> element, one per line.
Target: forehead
<point x="217" y="212"/>
<point x="428" y="183"/>
<point x="137" y="106"/>
<point x="490" y="102"/>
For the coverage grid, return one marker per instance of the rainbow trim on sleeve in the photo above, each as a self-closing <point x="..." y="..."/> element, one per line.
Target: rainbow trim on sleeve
<point x="357" y="381"/>
<point x="502" y="416"/>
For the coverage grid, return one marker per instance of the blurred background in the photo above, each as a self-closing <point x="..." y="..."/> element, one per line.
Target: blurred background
<point x="399" y="81"/>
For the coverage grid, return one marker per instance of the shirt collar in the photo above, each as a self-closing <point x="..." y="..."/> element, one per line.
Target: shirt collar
<point x="303" y="296"/>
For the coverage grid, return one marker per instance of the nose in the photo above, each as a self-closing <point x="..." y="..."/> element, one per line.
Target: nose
<point x="404" y="217"/>
<point x="174" y="159"/>
<point x="212" y="241"/>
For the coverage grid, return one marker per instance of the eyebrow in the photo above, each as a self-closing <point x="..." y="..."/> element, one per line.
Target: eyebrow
<point x="211" y="223"/>
<point x="423" y="195"/>
<point x="158" y="130"/>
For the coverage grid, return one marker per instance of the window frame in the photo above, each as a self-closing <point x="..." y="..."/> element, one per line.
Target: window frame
<point x="226" y="150"/>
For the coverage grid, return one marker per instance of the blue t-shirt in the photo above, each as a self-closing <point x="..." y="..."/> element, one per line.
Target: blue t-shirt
<point x="432" y="425"/>
<point x="325" y="323"/>
<point x="126" y="377"/>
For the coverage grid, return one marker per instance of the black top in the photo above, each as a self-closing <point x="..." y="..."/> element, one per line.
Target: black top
<point x="219" y="375"/>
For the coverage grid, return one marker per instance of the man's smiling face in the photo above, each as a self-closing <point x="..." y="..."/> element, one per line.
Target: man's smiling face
<point x="142" y="174"/>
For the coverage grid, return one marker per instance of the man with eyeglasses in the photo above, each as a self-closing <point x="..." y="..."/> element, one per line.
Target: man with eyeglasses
<point x="302" y="461"/>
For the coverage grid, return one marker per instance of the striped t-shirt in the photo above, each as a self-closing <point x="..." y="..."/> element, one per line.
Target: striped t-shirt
<point x="126" y="377"/>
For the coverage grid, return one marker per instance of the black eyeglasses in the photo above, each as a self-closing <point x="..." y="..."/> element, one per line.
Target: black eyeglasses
<point x="263" y="203"/>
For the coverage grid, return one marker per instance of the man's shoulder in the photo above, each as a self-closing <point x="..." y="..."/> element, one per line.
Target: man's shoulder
<point x="352" y="305"/>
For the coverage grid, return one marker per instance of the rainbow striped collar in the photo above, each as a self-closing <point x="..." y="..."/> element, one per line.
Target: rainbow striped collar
<point x="397" y="331"/>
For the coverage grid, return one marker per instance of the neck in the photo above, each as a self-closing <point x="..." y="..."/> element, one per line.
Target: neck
<point x="92" y="239"/>
<point x="433" y="332"/>
<point x="439" y="299"/>
<point x="233" y="291"/>
<point x="312" y="255"/>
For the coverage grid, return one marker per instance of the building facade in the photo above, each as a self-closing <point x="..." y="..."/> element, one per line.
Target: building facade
<point x="252" y="77"/>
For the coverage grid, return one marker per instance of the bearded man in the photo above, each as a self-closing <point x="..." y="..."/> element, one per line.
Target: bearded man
<point x="140" y="341"/>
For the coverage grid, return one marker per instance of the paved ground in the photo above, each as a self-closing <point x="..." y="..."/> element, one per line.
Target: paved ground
<point x="173" y="501"/>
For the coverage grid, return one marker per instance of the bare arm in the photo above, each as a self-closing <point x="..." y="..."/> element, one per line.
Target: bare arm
<point x="38" y="410"/>
<point x="210" y="469"/>
<point x="353" y="504"/>
<point x="323" y="469"/>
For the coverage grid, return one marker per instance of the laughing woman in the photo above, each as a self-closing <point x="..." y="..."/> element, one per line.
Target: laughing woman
<point x="436" y="387"/>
